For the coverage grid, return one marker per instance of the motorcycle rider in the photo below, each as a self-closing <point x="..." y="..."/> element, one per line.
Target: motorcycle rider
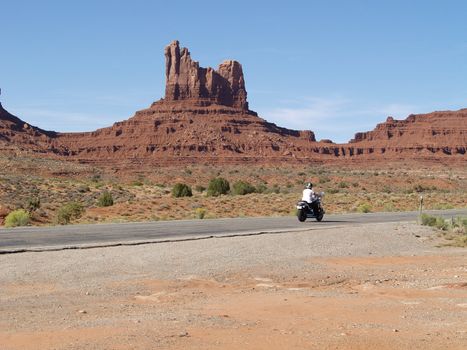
<point x="309" y="197"/>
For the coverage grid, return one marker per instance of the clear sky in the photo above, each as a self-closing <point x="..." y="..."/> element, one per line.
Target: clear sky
<point x="334" y="67"/>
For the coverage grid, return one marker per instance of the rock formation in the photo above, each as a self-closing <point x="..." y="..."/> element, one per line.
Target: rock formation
<point x="186" y="80"/>
<point x="17" y="134"/>
<point x="204" y="118"/>
<point x="437" y="132"/>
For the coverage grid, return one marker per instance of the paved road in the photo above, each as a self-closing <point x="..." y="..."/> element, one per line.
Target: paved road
<point x="73" y="236"/>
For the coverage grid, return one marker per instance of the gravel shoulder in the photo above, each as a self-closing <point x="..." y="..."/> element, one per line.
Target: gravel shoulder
<point x="368" y="286"/>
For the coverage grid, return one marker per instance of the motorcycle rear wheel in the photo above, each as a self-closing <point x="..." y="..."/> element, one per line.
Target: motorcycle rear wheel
<point x="301" y="215"/>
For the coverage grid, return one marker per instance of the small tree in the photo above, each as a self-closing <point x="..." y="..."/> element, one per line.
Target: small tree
<point x="218" y="186"/>
<point x="18" y="217"/>
<point x="181" y="190"/>
<point x="105" y="200"/>
<point x="68" y="212"/>
<point x="242" y="188"/>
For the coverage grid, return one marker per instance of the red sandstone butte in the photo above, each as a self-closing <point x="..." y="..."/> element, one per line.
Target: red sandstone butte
<point x="204" y="118"/>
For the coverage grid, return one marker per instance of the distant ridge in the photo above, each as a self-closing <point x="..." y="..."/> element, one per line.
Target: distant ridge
<point x="205" y="117"/>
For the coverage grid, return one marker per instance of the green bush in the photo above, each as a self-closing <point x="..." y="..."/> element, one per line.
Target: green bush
<point x="18" y="217"/>
<point x="32" y="204"/>
<point x="181" y="190"/>
<point x="241" y="188"/>
<point x="364" y="208"/>
<point x="105" y="199"/>
<point x="68" y="212"/>
<point x="218" y="186"/>
<point x="428" y="220"/>
<point x="200" y="213"/>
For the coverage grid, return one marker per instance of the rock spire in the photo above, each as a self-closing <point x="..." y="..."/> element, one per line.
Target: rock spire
<point x="186" y="80"/>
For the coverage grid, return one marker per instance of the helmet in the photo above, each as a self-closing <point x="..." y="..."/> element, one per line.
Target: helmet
<point x="309" y="185"/>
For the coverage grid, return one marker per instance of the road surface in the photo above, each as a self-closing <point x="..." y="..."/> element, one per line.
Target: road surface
<point x="87" y="236"/>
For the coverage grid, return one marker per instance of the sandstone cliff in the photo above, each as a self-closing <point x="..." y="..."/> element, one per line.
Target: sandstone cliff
<point x="437" y="132"/>
<point x="186" y="80"/>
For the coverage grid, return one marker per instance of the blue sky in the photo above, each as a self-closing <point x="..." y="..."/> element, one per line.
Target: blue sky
<point x="334" y="67"/>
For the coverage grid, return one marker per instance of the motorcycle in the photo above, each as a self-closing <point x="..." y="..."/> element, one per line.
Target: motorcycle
<point x="313" y="210"/>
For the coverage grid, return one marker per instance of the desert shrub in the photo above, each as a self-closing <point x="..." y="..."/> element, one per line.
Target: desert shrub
<point x="200" y="213"/>
<point x="181" y="190"/>
<point x="386" y="189"/>
<point x="441" y="224"/>
<point x="96" y="178"/>
<point x="333" y="191"/>
<point x="261" y="188"/>
<point x="200" y="188"/>
<point x="422" y="188"/>
<point x="242" y="188"/>
<point x="105" y="199"/>
<point x="137" y="183"/>
<point x="364" y="208"/>
<point x="454" y="230"/>
<point x="460" y="223"/>
<point x="428" y="220"/>
<point x="218" y="186"/>
<point x="275" y="189"/>
<point x="323" y="179"/>
<point x="389" y="207"/>
<point x="18" y="217"/>
<point x="343" y="184"/>
<point x="32" y="204"/>
<point x="83" y="189"/>
<point x="68" y="212"/>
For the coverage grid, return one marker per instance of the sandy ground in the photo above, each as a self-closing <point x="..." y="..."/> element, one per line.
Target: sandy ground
<point x="376" y="286"/>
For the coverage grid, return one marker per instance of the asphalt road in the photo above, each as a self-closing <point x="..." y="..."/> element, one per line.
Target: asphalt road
<point x="87" y="236"/>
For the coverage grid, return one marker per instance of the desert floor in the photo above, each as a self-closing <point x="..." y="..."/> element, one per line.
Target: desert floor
<point x="373" y="286"/>
<point x="147" y="196"/>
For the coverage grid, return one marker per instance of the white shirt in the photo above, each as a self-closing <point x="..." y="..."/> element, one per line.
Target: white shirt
<point x="308" y="195"/>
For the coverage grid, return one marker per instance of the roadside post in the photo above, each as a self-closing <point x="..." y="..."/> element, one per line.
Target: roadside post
<point x="421" y="209"/>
